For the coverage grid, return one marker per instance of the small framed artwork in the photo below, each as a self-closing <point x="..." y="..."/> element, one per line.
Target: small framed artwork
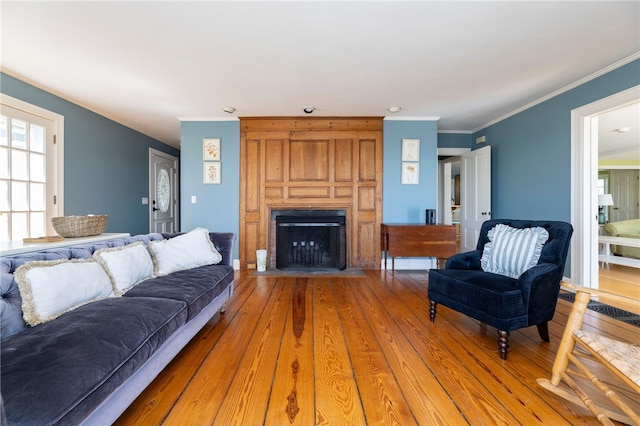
<point x="211" y="172"/>
<point x="211" y="149"/>
<point x="410" y="173"/>
<point x="410" y="149"/>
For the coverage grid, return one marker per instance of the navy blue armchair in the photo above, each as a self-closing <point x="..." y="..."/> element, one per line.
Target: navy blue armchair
<point x="501" y="301"/>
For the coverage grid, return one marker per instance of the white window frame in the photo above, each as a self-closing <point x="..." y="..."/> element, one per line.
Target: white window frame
<point x="55" y="156"/>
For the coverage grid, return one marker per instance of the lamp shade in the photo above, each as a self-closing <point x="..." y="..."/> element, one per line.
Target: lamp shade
<point x="605" y="200"/>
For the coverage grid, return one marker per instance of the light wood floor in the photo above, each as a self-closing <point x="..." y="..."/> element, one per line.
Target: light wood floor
<point x="331" y="351"/>
<point x="619" y="286"/>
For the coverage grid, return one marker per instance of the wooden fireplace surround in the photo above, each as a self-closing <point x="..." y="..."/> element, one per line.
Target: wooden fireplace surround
<point x="311" y="163"/>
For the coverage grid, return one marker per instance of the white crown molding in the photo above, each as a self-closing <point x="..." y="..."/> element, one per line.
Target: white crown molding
<point x="456" y="132"/>
<point x="573" y="85"/>
<point x="208" y="118"/>
<point x="399" y="118"/>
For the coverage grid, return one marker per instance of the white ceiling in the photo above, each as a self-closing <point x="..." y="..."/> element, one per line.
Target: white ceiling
<point x="147" y="64"/>
<point x="619" y="135"/>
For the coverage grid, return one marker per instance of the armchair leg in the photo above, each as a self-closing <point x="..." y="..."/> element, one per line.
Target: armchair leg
<point x="503" y="343"/>
<point x="543" y="331"/>
<point x="432" y="310"/>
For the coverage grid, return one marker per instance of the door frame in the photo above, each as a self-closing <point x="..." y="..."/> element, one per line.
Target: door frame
<point x="584" y="188"/>
<point x="54" y="155"/>
<point x="176" y="187"/>
<point x="444" y="191"/>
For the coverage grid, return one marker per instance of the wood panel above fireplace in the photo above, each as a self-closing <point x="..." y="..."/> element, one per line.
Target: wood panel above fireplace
<point x="317" y="163"/>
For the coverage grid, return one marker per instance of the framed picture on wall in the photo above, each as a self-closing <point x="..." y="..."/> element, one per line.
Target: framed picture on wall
<point x="410" y="149"/>
<point x="211" y="172"/>
<point x="211" y="149"/>
<point x="410" y="173"/>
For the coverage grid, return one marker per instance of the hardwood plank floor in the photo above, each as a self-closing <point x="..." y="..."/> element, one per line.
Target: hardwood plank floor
<point x="343" y="350"/>
<point x="619" y="286"/>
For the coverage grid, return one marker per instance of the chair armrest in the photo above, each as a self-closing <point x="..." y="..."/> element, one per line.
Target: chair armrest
<point x="540" y="286"/>
<point x="467" y="261"/>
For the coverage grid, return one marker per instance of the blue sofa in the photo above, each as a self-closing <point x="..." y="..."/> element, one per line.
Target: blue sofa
<point x="87" y="365"/>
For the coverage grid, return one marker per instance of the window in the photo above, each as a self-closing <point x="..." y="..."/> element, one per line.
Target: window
<point x="30" y="170"/>
<point x="603" y="183"/>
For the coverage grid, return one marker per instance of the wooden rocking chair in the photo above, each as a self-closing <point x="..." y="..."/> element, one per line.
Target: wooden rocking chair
<point x="578" y="368"/>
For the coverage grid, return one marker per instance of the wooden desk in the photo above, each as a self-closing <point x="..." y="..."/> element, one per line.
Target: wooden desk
<point x="417" y="240"/>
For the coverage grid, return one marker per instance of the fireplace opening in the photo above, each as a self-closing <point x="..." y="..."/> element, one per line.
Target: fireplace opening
<point x="310" y="239"/>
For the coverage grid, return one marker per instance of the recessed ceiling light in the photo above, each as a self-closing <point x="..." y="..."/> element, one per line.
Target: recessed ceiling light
<point x="394" y="109"/>
<point x="622" y="129"/>
<point x="229" y="109"/>
<point x="308" y="109"/>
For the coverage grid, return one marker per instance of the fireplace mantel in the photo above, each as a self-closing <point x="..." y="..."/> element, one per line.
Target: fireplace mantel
<point x="311" y="163"/>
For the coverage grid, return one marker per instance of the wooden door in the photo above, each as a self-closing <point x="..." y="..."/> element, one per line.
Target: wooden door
<point x="624" y="190"/>
<point x="475" y="192"/>
<point x="163" y="188"/>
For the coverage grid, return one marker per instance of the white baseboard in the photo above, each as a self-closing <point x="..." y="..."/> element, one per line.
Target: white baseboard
<point x="406" y="263"/>
<point x="411" y="263"/>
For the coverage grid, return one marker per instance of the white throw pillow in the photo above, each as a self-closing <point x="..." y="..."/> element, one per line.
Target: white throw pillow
<point x="51" y="288"/>
<point x="185" y="251"/>
<point x="126" y="266"/>
<point x="511" y="251"/>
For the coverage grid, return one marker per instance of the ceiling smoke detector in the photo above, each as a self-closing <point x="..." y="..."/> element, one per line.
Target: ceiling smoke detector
<point x="308" y="109"/>
<point x="622" y="130"/>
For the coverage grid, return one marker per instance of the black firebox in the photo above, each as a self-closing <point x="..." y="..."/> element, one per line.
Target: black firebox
<point x="310" y="239"/>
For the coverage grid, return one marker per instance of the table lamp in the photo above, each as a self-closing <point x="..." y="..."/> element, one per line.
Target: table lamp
<point x="604" y="200"/>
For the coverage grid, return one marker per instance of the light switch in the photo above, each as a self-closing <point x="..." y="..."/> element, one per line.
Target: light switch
<point x="193" y="199"/>
<point x="145" y="200"/>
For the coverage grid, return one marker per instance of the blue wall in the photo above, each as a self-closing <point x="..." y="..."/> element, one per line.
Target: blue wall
<point x="455" y="140"/>
<point x="407" y="203"/>
<point x="106" y="165"/>
<point x="217" y="207"/>
<point x="531" y="151"/>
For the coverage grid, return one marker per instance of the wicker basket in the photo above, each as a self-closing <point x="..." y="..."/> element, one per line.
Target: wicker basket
<point x="80" y="226"/>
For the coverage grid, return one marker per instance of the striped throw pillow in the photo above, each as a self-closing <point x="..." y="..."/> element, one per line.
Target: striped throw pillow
<point x="511" y="251"/>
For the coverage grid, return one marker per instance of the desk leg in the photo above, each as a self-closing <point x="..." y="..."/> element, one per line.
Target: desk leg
<point x="386" y="248"/>
<point x="393" y="263"/>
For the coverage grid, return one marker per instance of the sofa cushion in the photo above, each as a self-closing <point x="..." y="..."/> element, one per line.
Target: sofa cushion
<point x="126" y="266"/>
<point x="621" y="228"/>
<point x="511" y="251"/>
<point x="11" y="319"/>
<point x="492" y="294"/>
<point x="196" y="287"/>
<point x="185" y="251"/>
<point x="61" y="370"/>
<point x="51" y="288"/>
